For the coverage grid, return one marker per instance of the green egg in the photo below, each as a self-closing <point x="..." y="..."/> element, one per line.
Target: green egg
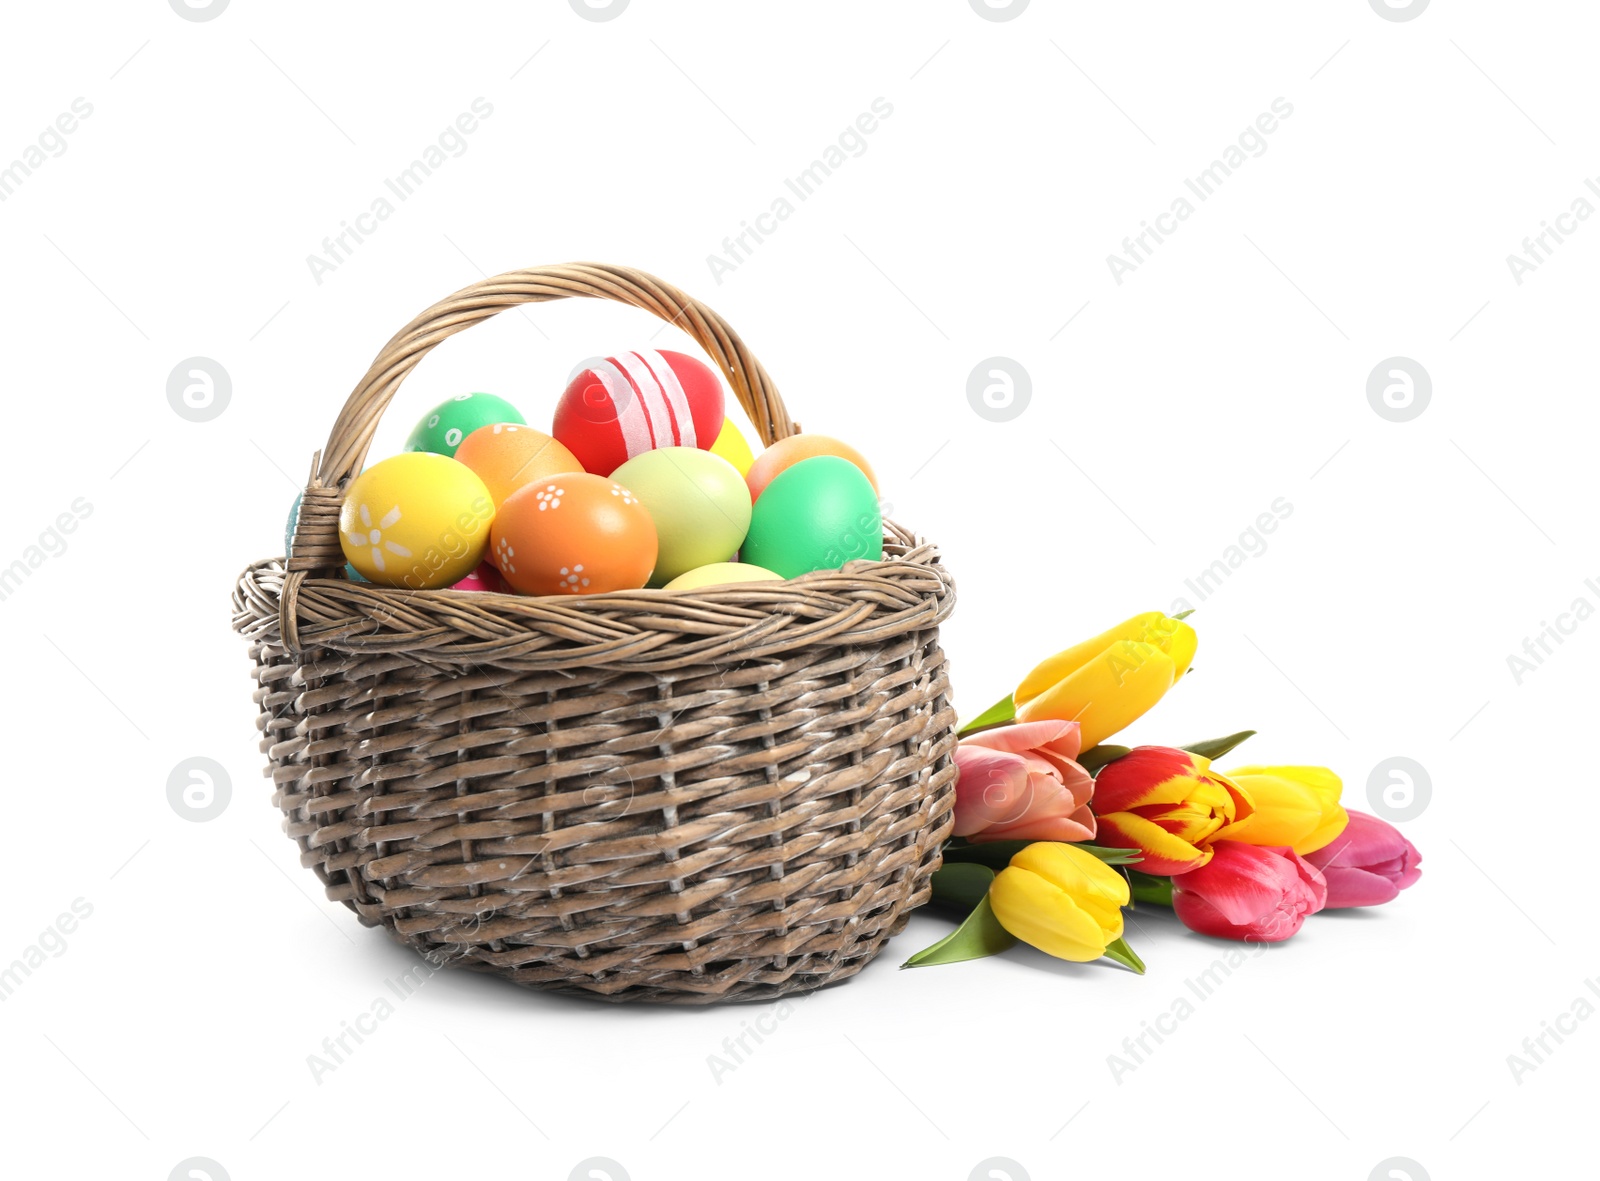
<point x="817" y="515"/>
<point x="443" y="428"/>
<point x="698" y="501"/>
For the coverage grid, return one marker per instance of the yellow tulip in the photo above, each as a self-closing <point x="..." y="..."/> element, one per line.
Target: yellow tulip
<point x="1063" y="901"/>
<point x="1107" y="683"/>
<point x="1294" y="806"/>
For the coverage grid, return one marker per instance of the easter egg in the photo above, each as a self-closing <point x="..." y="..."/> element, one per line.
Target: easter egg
<point x="507" y="455"/>
<point x="416" y="520"/>
<point x="484" y="577"/>
<point x="294" y="519"/>
<point x="785" y="453"/>
<point x="619" y="407"/>
<point x="447" y="424"/>
<point x="698" y="502"/>
<point x="731" y="446"/>
<point x="722" y="574"/>
<point x="350" y="571"/>
<point x="816" y="515"/>
<point x="573" y="534"/>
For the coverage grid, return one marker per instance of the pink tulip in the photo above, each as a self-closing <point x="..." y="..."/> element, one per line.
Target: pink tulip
<point x="1257" y="893"/>
<point x="1368" y="864"/>
<point x="1021" y="783"/>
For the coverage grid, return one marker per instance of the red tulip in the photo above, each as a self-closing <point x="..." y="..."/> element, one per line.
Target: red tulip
<point x="1021" y="783"/>
<point x="1251" y="892"/>
<point x="1368" y="864"/>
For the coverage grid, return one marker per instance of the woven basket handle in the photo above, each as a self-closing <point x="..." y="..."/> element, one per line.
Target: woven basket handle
<point x="316" y="540"/>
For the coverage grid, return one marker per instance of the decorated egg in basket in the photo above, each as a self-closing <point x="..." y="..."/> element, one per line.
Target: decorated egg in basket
<point x="415" y="520"/>
<point x="619" y="407"/>
<point x="699" y="504"/>
<point x="573" y="534"/>
<point x="731" y="446"/>
<point x="444" y="427"/>
<point x="507" y="455"/>
<point x="817" y="515"/>
<point x="785" y="453"/>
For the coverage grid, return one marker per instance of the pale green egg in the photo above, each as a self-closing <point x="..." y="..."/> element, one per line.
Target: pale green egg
<point x="699" y="502"/>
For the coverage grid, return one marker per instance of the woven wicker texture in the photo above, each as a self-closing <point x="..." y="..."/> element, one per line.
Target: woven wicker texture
<point x="686" y="796"/>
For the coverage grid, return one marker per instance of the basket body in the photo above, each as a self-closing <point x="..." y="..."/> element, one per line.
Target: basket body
<point x="731" y="794"/>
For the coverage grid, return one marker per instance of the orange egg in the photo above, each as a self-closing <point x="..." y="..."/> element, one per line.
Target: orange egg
<point x="785" y="453"/>
<point x="573" y="534"/>
<point x="507" y="455"/>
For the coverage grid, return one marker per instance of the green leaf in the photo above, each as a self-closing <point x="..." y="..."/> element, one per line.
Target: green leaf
<point x="979" y="936"/>
<point x="1125" y="955"/>
<point x="1146" y="887"/>
<point x="960" y="886"/>
<point x="1215" y="748"/>
<point x="1096" y="757"/>
<point x="994" y="854"/>
<point x="997" y="714"/>
<point x="1183" y="614"/>
<point x="998" y="854"/>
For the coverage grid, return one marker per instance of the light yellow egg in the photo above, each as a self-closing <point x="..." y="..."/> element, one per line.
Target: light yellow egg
<point x="731" y="446"/>
<point x="720" y="574"/>
<point x="417" y="520"/>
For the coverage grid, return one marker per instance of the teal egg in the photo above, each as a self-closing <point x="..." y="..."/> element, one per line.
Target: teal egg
<point x="442" y="428"/>
<point x="294" y="519"/>
<point x="816" y="515"/>
<point x="350" y="571"/>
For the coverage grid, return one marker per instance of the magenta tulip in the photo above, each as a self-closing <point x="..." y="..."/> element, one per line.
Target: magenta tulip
<point x="1257" y="893"/>
<point x="1368" y="864"/>
<point x="1022" y="783"/>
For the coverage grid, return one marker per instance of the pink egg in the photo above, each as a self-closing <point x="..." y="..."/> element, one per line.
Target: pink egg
<point x="484" y="578"/>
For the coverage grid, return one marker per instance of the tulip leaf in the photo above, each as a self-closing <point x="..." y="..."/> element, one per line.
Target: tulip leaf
<point x="1146" y="887"/>
<point x="1096" y="757"/>
<point x="997" y="714"/>
<point x="998" y="854"/>
<point x="1125" y="955"/>
<point x="1114" y="856"/>
<point x="1215" y="748"/>
<point x="980" y="935"/>
<point x="994" y="854"/>
<point x="960" y="886"/>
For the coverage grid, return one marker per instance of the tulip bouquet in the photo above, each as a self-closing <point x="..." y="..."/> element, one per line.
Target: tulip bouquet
<point x="1057" y="830"/>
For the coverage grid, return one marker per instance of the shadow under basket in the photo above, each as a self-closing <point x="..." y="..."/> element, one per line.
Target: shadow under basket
<point x="731" y="793"/>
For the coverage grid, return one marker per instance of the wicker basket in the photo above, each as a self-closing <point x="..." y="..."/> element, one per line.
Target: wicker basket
<point x="687" y="796"/>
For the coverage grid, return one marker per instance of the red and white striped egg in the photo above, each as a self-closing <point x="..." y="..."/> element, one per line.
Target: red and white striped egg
<point x="619" y="407"/>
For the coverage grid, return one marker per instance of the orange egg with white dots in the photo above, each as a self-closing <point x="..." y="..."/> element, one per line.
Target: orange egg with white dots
<point x="573" y="534"/>
<point x="507" y="455"/>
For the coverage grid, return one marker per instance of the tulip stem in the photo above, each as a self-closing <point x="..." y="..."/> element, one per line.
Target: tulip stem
<point x="1144" y="887"/>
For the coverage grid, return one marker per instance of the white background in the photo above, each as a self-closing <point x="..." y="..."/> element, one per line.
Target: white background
<point x="1227" y="371"/>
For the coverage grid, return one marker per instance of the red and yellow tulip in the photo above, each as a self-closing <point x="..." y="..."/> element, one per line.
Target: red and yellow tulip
<point x="1106" y="683"/>
<point x="1169" y="804"/>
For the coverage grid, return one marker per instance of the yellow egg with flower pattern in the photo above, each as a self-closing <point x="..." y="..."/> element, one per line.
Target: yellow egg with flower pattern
<point x="417" y="520"/>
